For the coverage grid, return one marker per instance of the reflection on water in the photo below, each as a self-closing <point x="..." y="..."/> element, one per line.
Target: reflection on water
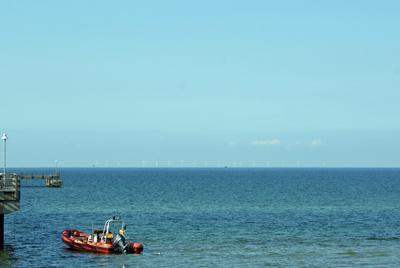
<point x="7" y="256"/>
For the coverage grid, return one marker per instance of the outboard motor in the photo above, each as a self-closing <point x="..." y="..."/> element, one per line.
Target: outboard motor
<point x="118" y="243"/>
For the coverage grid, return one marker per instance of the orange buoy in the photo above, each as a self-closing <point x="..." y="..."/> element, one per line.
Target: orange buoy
<point x="135" y="247"/>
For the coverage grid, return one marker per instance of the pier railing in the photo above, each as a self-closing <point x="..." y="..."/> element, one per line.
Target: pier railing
<point x="10" y="193"/>
<point x="39" y="176"/>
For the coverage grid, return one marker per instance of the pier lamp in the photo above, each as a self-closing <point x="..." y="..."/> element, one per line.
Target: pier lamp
<point x="4" y="138"/>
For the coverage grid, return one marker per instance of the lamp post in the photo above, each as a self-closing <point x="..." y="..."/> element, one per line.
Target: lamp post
<point x="4" y="138"/>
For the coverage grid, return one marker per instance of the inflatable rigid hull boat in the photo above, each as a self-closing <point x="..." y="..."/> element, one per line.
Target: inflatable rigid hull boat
<point x="101" y="241"/>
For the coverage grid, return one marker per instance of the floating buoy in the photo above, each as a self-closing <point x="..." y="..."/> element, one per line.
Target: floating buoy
<point x="135" y="247"/>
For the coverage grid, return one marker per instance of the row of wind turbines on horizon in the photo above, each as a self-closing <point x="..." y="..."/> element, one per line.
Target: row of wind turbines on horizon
<point x="198" y="164"/>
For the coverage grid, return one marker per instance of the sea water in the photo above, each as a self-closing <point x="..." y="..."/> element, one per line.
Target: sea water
<point x="212" y="217"/>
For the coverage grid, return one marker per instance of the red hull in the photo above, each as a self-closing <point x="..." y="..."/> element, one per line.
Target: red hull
<point x="80" y="241"/>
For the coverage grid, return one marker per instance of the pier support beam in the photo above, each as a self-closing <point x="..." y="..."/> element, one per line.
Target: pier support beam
<point x="1" y="231"/>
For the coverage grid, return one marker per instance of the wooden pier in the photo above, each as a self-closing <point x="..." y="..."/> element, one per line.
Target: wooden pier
<point x="10" y="188"/>
<point x="51" y="180"/>
<point x="10" y="193"/>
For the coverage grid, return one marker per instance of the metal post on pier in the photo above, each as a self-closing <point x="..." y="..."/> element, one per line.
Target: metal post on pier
<point x="4" y="138"/>
<point x="3" y="180"/>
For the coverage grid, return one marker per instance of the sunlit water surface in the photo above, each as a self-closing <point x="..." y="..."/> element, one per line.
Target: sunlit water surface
<point x="226" y="217"/>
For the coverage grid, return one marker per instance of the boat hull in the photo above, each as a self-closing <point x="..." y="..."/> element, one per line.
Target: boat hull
<point x="80" y="241"/>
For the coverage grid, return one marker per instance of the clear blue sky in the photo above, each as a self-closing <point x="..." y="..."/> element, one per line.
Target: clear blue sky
<point x="293" y="83"/>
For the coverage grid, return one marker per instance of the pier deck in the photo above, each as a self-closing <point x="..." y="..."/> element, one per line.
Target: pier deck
<point x="40" y="176"/>
<point x="52" y="180"/>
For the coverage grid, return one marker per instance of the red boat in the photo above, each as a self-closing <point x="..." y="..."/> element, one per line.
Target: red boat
<point x="103" y="240"/>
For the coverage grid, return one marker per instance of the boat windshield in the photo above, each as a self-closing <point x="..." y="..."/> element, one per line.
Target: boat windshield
<point x="115" y="224"/>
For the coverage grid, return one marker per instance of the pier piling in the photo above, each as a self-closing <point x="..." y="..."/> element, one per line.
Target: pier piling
<point x="1" y="231"/>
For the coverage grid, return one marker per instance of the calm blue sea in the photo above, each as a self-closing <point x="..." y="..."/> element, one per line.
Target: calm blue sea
<point x="226" y="217"/>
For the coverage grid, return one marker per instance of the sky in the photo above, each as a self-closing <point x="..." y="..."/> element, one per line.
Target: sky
<point x="200" y="83"/>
